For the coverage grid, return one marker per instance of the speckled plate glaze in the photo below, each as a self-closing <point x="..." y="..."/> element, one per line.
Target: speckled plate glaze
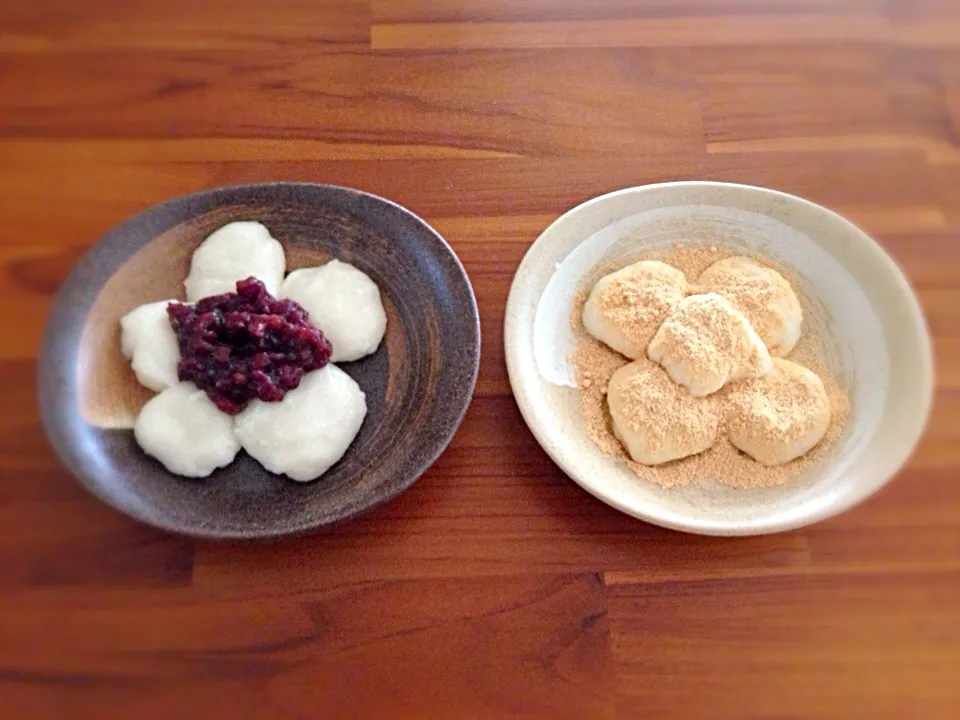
<point x="858" y="303"/>
<point x="418" y="384"/>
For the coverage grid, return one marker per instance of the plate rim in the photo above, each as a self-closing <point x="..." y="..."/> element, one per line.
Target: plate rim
<point x="55" y="425"/>
<point x="512" y="335"/>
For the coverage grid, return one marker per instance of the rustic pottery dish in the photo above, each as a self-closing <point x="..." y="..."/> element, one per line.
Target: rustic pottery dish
<point x="418" y="384"/>
<point x="874" y="336"/>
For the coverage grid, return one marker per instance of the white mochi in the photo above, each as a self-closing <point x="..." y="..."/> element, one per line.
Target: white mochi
<point x="184" y="430"/>
<point x="344" y="303"/>
<point x="235" y="252"/>
<point x="303" y="435"/>
<point x="147" y="338"/>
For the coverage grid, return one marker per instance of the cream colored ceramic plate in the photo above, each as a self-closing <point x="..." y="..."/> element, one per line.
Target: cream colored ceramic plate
<point x="860" y="304"/>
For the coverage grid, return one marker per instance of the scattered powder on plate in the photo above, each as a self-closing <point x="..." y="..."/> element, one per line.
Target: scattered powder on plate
<point x="595" y="363"/>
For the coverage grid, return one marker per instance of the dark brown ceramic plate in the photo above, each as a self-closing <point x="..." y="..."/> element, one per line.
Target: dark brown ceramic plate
<point x="418" y="384"/>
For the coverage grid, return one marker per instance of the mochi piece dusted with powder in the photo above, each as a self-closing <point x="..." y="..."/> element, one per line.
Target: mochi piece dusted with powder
<point x="656" y="420"/>
<point x="763" y="296"/>
<point x="626" y="307"/>
<point x="706" y="343"/>
<point x="779" y="417"/>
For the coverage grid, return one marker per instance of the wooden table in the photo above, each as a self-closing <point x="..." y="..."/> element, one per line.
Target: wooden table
<point x="495" y="587"/>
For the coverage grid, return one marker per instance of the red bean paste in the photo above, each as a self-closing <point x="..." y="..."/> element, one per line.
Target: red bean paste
<point x="245" y="345"/>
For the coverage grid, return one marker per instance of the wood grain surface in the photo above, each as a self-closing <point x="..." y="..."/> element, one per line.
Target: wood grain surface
<point x="495" y="587"/>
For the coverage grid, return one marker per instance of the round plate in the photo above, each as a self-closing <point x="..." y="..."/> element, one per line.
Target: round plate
<point x="859" y="302"/>
<point x="418" y="384"/>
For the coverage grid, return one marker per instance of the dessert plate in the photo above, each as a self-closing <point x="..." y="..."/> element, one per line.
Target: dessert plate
<point x="876" y="344"/>
<point x="418" y="384"/>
